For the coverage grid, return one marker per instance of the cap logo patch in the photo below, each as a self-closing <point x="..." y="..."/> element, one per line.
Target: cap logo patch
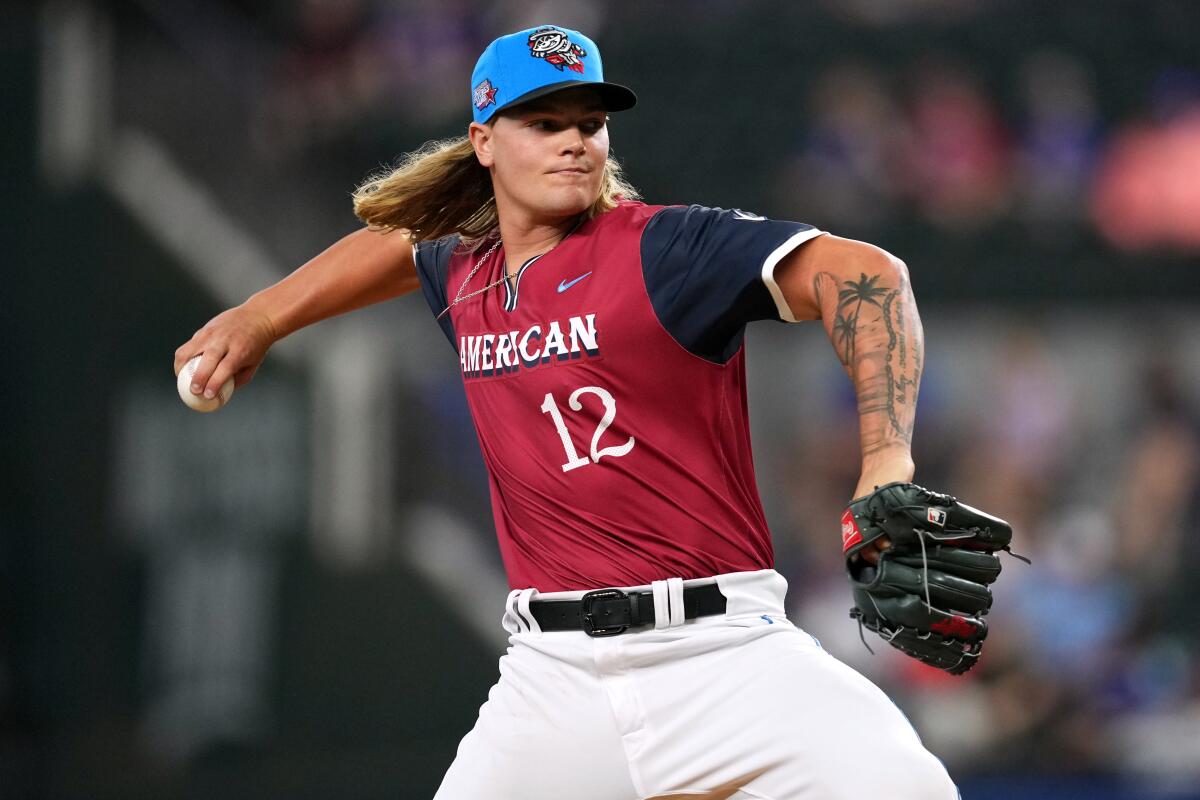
<point x="937" y="516"/>
<point x="484" y="94"/>
<point x="556" y="48"/>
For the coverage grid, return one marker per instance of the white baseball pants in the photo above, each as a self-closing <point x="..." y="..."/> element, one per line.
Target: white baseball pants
<point x="744" y="705"/>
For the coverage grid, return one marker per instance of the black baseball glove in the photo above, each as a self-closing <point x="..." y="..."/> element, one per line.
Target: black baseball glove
<point x="928" y="593"/>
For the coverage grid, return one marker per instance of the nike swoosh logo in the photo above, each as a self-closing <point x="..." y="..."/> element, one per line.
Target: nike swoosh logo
<point x="746" y="216"/>
<point x="562" y="287"/>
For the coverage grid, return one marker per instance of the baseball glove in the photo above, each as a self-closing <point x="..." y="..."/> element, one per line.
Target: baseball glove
<point x="928" y="593"/>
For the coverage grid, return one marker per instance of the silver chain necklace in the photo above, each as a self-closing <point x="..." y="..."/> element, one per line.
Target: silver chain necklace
<point x="459" y="296"/>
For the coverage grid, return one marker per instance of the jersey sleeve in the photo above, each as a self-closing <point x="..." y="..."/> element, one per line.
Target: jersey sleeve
<point x="433" y="265"/>
<point x="709" y="271"/>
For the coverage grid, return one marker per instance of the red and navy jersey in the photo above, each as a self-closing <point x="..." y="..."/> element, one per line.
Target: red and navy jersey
<point x="608" y="389"/>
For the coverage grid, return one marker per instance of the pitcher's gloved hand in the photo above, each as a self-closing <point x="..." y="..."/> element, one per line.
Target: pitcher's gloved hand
<point x="927" y="592"/>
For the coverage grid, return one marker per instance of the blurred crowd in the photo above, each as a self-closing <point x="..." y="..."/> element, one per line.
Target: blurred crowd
<point x="935" y="142"/>
<point x="933" y="137"/>
<point x="343" y="64"/>
<point x="1093" y="661"/>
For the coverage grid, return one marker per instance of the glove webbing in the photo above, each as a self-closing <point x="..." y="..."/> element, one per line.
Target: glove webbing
<point x="928" y="602"/>
<point x="889" y="634"/>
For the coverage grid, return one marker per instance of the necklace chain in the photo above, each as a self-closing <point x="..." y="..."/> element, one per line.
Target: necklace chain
<point x="459" y="296"/>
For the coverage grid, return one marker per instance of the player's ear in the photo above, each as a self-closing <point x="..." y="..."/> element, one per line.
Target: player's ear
<point x="481" y="139"/>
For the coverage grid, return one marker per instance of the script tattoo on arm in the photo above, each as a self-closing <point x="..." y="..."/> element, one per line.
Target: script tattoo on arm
<point x="876" y="333"/>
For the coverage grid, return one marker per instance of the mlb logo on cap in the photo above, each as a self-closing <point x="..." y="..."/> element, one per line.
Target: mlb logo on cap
<point x="535" y="62"/>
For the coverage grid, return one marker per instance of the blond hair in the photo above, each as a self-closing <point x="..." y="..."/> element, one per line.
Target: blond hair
<point x="442" y="189"/>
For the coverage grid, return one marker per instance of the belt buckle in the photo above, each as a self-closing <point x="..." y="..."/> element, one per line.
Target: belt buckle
<point x="585" y="612"/>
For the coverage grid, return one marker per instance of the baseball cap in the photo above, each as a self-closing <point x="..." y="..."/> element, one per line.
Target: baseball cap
<point x="537" y="61"/>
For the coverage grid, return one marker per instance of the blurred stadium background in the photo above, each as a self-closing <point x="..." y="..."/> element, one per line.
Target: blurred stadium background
<point x="298" y="597"/>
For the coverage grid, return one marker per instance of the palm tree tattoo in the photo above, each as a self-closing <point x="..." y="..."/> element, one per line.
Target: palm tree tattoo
<point x="865" y="290"/>
<point x="877" y="335"/>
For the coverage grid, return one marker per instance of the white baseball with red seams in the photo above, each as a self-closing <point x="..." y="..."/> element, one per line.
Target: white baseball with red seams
<point x="198" y="402"/>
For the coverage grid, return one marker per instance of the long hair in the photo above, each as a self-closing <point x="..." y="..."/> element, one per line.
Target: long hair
<point x="442" y="189"/>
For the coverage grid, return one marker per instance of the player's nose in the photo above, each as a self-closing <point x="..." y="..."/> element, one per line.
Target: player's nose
<point x="572" y="142"/>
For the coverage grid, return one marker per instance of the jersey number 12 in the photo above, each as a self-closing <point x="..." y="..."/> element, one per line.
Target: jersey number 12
<point x="574" y="460"/>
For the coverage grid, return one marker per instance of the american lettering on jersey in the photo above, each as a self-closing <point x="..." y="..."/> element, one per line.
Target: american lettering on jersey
<point x="504" y="353"/>
<point x="607" y="388"/>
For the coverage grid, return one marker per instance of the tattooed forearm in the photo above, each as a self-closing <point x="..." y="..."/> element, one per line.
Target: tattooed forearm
<point x="876" y="332"/>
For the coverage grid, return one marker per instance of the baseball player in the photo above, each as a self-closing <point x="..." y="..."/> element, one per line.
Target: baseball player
<point x="600" y="342"/>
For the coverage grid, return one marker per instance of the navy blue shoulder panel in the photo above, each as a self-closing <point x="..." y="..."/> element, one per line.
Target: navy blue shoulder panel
<point x="433" y="263"/>
<point x="703" y="269"/>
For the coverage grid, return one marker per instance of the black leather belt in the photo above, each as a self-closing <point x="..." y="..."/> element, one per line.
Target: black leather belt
<point x="607" y="612"/>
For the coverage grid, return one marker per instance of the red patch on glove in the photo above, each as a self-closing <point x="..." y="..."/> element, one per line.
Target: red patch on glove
<point x="851" y="535"/>
<point x="958" y="627"/>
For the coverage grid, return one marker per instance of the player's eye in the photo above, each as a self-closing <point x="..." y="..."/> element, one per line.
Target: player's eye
<point x="592" y="126"/>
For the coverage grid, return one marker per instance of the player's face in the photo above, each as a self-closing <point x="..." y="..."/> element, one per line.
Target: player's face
<point x="547" y="156"/>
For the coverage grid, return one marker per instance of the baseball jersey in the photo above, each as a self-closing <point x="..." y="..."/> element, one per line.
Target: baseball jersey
<point x="608" y="390"/>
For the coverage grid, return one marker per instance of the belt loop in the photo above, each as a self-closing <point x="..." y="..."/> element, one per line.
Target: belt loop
<point x="525" y="614"/>
<point x="509" y="620"/>
<point x="517" y="617"/>
<point x="662" y="614"/>
<point x="675" y="599"/>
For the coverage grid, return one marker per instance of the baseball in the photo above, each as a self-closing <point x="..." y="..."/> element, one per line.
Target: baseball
<point x="198" y="402"/>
